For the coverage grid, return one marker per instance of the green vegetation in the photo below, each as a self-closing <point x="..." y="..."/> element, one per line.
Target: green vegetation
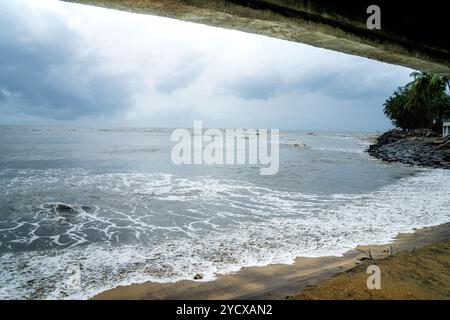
<point x="422" y="103"/>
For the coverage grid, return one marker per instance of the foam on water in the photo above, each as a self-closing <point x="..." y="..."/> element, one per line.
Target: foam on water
<point x="164" y="227"/>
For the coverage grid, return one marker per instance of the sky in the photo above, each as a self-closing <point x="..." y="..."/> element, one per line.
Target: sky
<point x="70" y="64"/>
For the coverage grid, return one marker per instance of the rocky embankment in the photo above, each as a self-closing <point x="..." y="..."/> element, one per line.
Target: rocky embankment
<point x="420" y="147"/>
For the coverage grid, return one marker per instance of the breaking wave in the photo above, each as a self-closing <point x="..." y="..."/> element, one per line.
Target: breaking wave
<point x="124" y="228"/>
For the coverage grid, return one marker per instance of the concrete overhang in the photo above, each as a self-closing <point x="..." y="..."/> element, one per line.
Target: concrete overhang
<point x="410" y="34"/>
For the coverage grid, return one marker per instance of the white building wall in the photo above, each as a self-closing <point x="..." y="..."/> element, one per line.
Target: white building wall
<point x="446" y="129"/>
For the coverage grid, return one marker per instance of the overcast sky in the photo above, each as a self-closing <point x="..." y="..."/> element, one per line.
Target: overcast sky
<point x="70" y="64"/>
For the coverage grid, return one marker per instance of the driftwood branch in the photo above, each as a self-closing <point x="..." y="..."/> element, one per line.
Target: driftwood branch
<point x="367" y="253"/>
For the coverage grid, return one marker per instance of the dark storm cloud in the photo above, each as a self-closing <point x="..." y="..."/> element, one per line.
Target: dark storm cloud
<point x="48" y="70"/>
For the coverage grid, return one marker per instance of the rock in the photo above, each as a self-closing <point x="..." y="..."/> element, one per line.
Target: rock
<point x="445" y="145"/>
<point x="86" y="208"/>
<point x="64" y="213"/>
<point x="419" y="147"/>
<point x="198" y="276"/>
<point x="64" y="208"/>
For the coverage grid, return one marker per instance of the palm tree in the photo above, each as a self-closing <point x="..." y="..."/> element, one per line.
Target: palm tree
<point x="422" y="103"/>
<point x="426" y="93"/>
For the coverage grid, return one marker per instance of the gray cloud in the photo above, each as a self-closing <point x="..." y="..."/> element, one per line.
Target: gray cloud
<point x="184" y="74"/>
<point x="52" y="73"/>
<point x="60" y="61"/>
<point x="348" y="83"/>
<point x="257" y="86"/>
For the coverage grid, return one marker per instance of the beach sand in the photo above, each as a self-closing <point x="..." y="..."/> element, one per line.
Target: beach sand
<point x="281" y="281"/>
<point x="418" y="274"/>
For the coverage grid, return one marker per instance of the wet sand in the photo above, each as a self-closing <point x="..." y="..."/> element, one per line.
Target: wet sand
<point x="280" y="281"/>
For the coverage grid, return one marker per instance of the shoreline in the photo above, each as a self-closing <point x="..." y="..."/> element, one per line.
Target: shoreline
<point x="277" y="281"/>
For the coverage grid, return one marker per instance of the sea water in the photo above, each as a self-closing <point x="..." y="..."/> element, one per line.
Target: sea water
<point x="110" y="204"/>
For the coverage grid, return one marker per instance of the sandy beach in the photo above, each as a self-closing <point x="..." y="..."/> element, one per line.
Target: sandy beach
<point x="417" y="274"/>
<point x="281" y="281"/>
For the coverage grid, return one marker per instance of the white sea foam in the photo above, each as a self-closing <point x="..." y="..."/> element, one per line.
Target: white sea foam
<point x="225" y="225"/>
<point x="294" y="143"/>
